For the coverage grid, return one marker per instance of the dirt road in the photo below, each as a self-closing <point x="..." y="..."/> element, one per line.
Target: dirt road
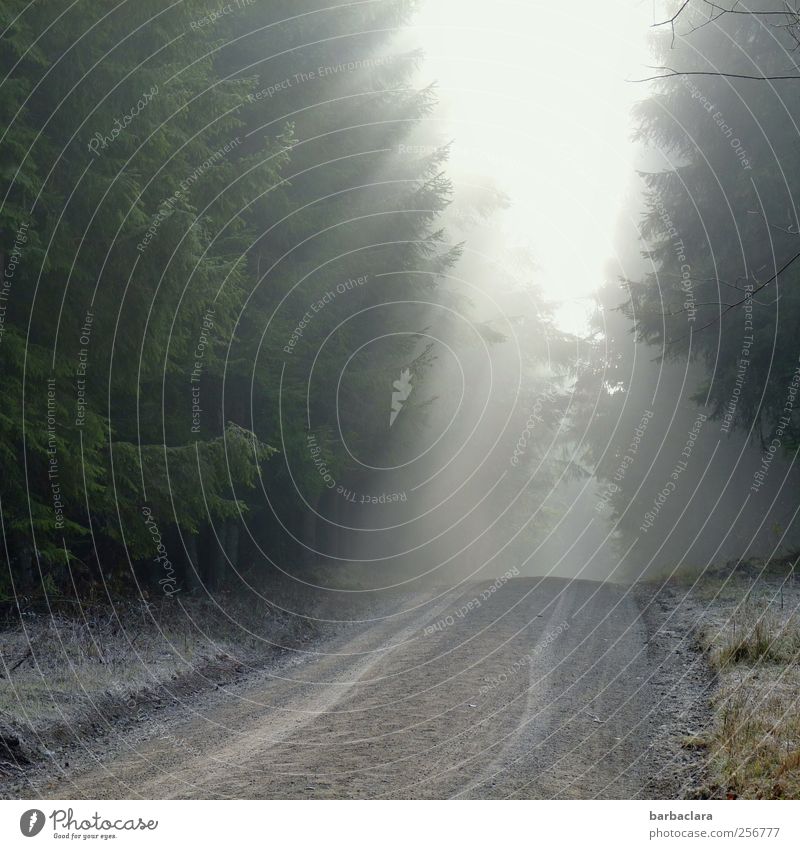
<point x="539" y="688"/>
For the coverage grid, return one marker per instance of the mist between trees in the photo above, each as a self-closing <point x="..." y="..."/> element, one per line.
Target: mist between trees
<point x="227" y="238"/>
<point x="150" y="190"/>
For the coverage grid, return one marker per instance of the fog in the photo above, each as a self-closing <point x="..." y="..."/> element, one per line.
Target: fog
<point x="542" y="436"/>
<point x="442" y="296"/>
<point x="401" y="399"/>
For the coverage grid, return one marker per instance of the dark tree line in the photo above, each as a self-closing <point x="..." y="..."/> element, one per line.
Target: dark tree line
<point x="710" y="327"/>
<point x="179" y="189"/>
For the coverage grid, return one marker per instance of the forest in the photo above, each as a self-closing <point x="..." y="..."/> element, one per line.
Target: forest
<point x="394" y="322"/>
<point x="152" y="314"/>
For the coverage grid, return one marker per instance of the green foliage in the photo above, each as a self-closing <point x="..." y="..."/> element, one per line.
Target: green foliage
<point x="721" y="220"/>
<point x="166" y="224"/>
<point x="186" y="485"/>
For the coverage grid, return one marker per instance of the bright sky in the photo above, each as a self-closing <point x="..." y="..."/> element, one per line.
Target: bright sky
<point x="534" y="95"/>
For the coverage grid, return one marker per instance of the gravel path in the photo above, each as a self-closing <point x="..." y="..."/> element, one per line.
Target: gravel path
<point x="537" y="688"/>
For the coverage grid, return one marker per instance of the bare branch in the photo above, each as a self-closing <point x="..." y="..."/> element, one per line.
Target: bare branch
<point x="716" y="11"/>
<point x="730" y="307"/>
<point x="674" y="17"/>
<point x="673" y="73"/>
<point x="671" y="21"/>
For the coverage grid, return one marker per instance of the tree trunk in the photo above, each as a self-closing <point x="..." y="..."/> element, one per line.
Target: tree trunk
<point x="192" y="566"/>
<point x="215" y="564"/>
<point x="232" y="545"/>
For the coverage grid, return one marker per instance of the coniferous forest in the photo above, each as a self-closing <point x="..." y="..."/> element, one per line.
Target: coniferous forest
<point x="162" y="247"/>
<point x="400" y="400"/>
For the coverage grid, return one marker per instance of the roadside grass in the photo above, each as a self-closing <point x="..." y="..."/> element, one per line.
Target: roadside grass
<point x="754" y="751"/>
<point x="753" y="644"/>
<point x="62" y="670"/>
<point x="70" y="671"/>
<point x="757" y="632"/>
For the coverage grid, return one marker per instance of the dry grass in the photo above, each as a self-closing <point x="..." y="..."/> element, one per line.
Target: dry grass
<point x="60" y="670"/>
<point x="757" y="633"/>
<point x="754" y="752"/>
<point x="754" y="645"/>
<point x="80" y="671"/>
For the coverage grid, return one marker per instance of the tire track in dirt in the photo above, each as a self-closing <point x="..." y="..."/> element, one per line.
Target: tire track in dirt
<point x="543" y="687"/>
